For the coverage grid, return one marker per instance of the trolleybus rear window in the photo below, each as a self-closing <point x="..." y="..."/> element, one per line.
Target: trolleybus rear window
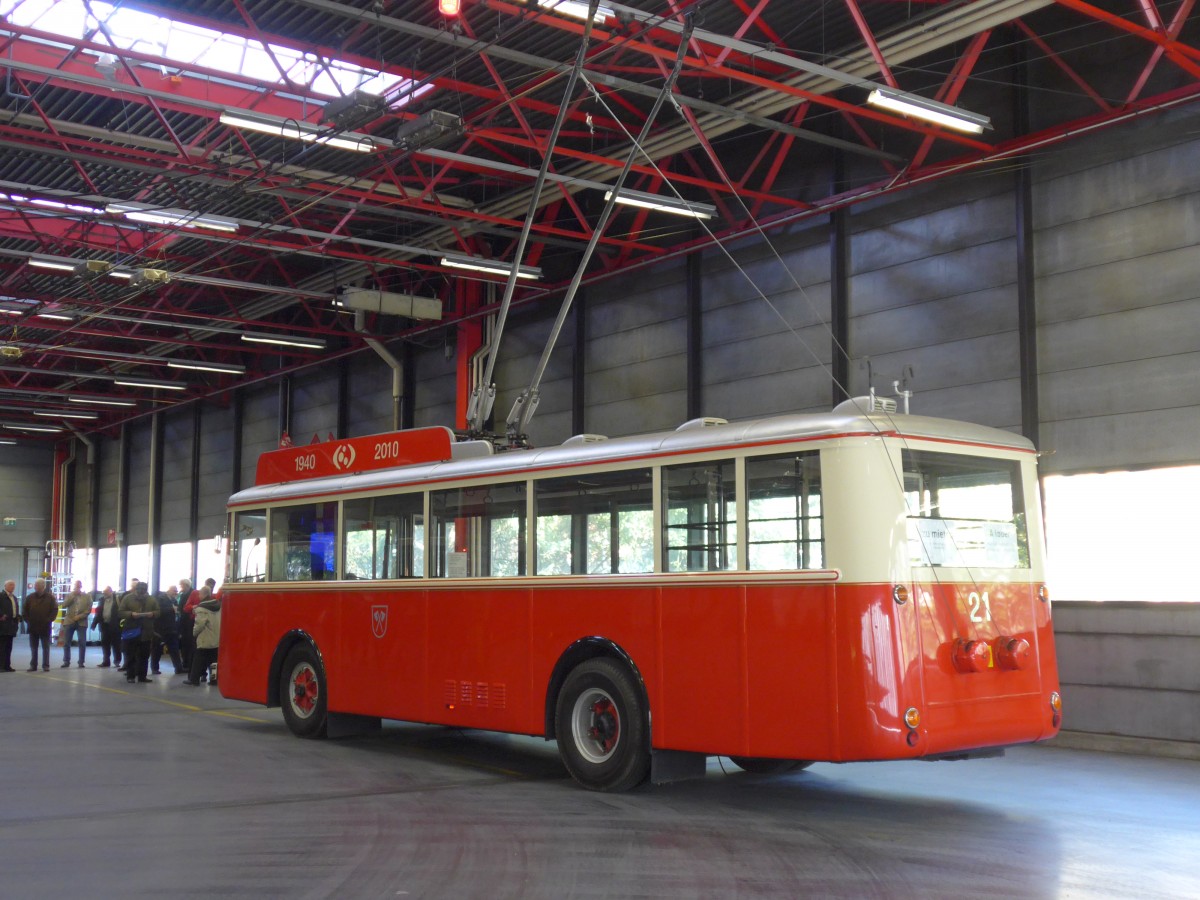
<point x="964" y="511"/>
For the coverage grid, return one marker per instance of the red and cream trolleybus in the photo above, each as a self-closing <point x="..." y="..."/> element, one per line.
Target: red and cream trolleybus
<point x="847" y="586"/>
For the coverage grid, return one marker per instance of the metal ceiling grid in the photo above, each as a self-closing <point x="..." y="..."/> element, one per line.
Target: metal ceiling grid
<point x="309" y="217"/>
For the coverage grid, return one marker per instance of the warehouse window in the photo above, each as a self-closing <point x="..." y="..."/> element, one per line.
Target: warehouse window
<point x="1142" y="524"/>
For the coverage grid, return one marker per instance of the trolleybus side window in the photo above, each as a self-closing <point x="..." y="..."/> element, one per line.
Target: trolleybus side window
<point x="384" y="537"/>
<point x="783" y="521"/>
<point x="964" y="510"/>
<point x="479" y="531"/>
<point x="248" y="546"/>
<point x="700" y="517"/>
<point x="597" y="524"/>
<point x="304" y="542"/>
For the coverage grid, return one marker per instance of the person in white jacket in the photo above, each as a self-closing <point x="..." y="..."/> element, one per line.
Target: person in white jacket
<point x="207" y="633"/>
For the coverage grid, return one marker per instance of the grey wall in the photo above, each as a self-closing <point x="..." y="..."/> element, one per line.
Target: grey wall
<point x="1130" y="669"/>
<point x="26" y="485"/>
<point x="1118" y="282"/>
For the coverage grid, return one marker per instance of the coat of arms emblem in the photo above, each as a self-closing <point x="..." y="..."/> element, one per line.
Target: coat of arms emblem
<point x="379" y="616"/>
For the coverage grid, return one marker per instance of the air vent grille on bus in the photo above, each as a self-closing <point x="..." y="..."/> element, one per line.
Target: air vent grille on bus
<point x="863" y="406"/>
<point x="702" y="422"/>
<point x="584" y="439"/>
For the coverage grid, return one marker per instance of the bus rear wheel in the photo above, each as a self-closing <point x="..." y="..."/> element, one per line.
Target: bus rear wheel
<point x="602" y="729"/>
<point x="302" y="692"/>
<point x="757" y="765"/>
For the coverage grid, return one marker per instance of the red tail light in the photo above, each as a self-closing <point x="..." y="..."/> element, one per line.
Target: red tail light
<point x="1012" y="652"/>
<point x="971" y="656"/>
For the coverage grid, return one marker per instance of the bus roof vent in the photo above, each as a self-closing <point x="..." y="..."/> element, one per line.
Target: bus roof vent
<point x="702" y="422"/>
<point x="866" y="405"/>
<point x="584" y="439"/>
<point x="470" y="449"/>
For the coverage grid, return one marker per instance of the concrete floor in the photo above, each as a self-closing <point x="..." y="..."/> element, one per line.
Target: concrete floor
<point x="167" y="790"/>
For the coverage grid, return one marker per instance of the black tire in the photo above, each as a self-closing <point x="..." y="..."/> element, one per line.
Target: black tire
<point x="757" y="765"/>
<point x="302" y="693"/>
<point x="602" y="727"/>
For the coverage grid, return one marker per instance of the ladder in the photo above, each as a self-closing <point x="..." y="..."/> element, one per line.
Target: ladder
<point x="58" y="567"/>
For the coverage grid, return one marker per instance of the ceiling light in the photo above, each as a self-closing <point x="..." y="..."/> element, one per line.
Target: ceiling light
<point x="58" y="317"/>
<point x="310" y="343"/>
<point x="666" y="204"/>
<point x="182" y="218"/>
<point x="52" y="204"/>
<point x="65" y="415"/>
<point x="207" y="367"/>
<point x="297" y="131"/>
<point x="929" y="110"/>
<point x="165" y="385"/>
<point x="58" y="264"/>
<point x="491" y="266"/>
<point x="13" y="426"/>
<point x="7" y="442"/>
<point x="100" y="402"/>
<point x="577" y="10"/>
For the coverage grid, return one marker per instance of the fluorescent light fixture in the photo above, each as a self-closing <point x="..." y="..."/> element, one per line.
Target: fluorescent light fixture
<point x="310" y="343"/>
<point x="165" y="385"/>
<point x="101" y="402"/>
<point x="58" y="264"/>
<point x="57" y="205"/>
<point x="117" y="273"/>
<point x="207" y="367"/>
<point x="182" y="218"/>
<point x="297" y="131"/>
<point x="577" y="10"/>
<point x="13" y="426"/>
<point x="56" y="316"/>
<point x="929" y="110"/>
<point x="666" y="204"/>
<point x="7" y="442"/>
<point x="65" y="415"/>
<point x="9" y="311"/>
<point x="491" y="266"/>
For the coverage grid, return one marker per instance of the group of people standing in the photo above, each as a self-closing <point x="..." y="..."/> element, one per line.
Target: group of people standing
<point x="135" y="628"/>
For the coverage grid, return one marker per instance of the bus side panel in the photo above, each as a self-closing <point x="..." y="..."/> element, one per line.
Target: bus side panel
<point x="379" y="668"/>
<point x="244" y="656"/>
<point x="478" y="661"/>
<point x="702" y="700"/>
<point x="877" y="660"/>
<point x="790" y="679"/>
<point x="996" y="706"/>
<point x="624" y="616"/>
<point x="252" y="626"/>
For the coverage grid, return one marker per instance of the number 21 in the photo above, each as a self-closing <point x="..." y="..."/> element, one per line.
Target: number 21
<point x="981" y="607"/>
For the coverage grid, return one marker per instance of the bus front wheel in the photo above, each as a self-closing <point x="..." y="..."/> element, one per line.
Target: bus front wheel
<point x="302" y="692"/>
<point x="602" y="729"/>
<point x="756" y="765"/>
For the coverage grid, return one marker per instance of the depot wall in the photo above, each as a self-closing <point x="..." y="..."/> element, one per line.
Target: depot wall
<point x="932" y="292"/>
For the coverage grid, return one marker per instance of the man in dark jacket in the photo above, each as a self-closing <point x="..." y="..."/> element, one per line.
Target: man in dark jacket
<point x="108" y="620"/>
<point x="138" y="610"/>
<point x="10" y="611"/>
<point x="166" y="633"/>
<point x="40" y="611"/>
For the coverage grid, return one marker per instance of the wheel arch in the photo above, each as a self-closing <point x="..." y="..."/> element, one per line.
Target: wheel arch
<point x="282" y="649"/>
<point x="579" y="652"/>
